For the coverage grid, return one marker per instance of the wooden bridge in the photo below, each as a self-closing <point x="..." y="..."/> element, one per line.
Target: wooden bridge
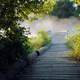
<point x="54" y="64"/>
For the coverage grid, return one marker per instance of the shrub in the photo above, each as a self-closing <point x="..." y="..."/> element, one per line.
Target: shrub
<point x="45" y="37"/>
<point x="40" y="40"/>
<point x="13" y="43"/>
<point x="12" y="48"/>
<point x="74" y="43"/>
<point x="77" y="12"/>
<point x="64" y="9"/>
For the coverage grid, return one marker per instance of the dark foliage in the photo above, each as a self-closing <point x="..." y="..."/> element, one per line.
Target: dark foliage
<point x="63" y="9"/>
<point x="77" y="12"/>
<point x="12" y="36"/>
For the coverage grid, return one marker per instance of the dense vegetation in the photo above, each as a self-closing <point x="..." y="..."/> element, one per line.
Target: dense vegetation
<point x="63" y="8"/>
<point x="13" y="42"/>
<point x="74" y="44"/>
<point x="66" y="8"/>
<point x="40" y="40"/>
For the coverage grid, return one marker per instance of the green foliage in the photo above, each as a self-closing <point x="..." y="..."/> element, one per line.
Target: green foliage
<point x="30" y="6"/>
<point x="45" y="37"/>
<point x="40" y="40"/>
<point x="64" y="9"/>
<point x="13" y="42"/>
<point x="48" y="6"/>
<point x="74" y="43"/>
<point x="37" y="8"/>
<point x="77" y="12"/>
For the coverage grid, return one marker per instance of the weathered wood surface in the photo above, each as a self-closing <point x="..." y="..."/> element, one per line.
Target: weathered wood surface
<point x="52" y="65"/>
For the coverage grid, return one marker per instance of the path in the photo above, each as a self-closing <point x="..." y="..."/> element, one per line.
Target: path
<point x="52" y="65"/>
<point x="59" y="37"/>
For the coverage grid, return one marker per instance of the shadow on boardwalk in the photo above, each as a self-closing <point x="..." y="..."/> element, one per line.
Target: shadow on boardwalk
<point x="52" y="65"/>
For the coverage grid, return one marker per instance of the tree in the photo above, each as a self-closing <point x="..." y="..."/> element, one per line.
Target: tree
<point x="12" y="38"/>
<point x="77" y="8"/>
<point x="64" y="8"/>
<point x="77" y="2"/>
<point x="37" y="8"/>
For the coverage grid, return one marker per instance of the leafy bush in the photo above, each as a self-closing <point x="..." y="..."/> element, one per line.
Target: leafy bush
<point x="12" y="47"/>
<point x="74" y="43"/>
<point x="77" y="12"/>
<point x="13" y="42"/>
<point x="63" y="9"/>
<point x="45" y="37"/>
<point x="40" y="40"/>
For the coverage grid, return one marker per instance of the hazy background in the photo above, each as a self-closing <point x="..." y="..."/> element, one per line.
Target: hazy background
<point x="53" y="26"/>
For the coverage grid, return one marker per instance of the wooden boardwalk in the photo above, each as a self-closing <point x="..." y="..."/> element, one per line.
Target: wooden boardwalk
<point x="52" y="65"/>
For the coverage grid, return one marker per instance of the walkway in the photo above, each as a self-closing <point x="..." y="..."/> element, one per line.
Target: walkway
<point x="52" y="65"/>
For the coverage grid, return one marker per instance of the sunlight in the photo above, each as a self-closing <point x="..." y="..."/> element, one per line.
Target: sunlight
<point x="32" y="35"/>
<point x="36" y="37"/>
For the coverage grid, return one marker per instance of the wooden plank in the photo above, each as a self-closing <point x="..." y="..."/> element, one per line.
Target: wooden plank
<point x="52" y="65"/>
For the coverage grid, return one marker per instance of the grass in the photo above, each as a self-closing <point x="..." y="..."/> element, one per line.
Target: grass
<point x="40" y="40"/>
<point x="74" y="44"/>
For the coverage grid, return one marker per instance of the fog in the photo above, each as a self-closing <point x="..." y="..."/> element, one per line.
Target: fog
<point x="54" y="25"/>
